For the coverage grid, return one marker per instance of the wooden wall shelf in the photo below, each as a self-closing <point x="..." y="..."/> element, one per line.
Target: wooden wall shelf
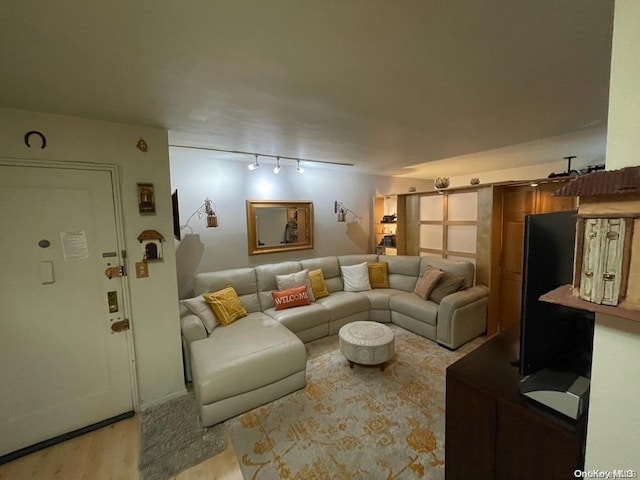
<point x="563" y="296"/>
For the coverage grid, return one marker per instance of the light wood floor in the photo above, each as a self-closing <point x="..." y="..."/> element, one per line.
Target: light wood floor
<point x="110" y="453"/>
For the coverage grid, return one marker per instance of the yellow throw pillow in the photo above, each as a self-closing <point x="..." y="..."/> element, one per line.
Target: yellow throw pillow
<point x="378" y="277"/>
<point x="226" y="305"/>
<point x="318" y="287"/>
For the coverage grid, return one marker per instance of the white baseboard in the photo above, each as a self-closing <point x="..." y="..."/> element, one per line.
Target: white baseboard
<point x="166" y="398"/>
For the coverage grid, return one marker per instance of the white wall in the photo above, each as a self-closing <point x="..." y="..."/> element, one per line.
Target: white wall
<point x="544" y="156"/>
<point x="155" y="320"/>
<point x="531" y="172"/>
<point x="229" y="184"/>
<point x="614" y="417"/>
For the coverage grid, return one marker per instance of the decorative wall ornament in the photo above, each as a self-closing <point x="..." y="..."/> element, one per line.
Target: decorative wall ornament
<point x="142" y="145"/>
<point x="146" y="199"/>
<point x="151" y="241"/>
<point x="474" y="181"/>
<point x="442" y="182"/>
<point x="29" y="134"/>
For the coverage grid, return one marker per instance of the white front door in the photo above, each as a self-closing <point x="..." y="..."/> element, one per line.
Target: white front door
<point x="61" y="366"/>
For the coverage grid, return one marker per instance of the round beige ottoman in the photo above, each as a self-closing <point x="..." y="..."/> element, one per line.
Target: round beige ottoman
<point x="367" y="343"/>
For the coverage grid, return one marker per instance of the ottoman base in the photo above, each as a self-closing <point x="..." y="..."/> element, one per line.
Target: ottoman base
<point x="382" y="366"/>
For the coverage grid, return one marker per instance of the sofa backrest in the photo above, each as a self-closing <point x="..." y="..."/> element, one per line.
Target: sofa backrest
<point x="403" y="271"/>
<point x="330" y="271"/>
<point x="456" y="267"/>
<point x="266" y="278"/>
<point x="346" y="260"/>
<point x="243" y="280"/>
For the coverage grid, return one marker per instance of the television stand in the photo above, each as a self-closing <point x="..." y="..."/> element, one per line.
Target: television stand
<point x="495" y="432"/>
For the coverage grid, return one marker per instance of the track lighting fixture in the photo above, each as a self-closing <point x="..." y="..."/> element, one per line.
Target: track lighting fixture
<point x="255" y="165"/>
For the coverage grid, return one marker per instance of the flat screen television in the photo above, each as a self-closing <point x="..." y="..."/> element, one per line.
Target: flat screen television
<point x="176" y="215"/>
<point x="552" y="336"/>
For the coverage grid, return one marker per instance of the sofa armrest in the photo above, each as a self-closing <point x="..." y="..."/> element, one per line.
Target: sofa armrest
<point x="192" y="328"/>
<point x="462" y="316"/>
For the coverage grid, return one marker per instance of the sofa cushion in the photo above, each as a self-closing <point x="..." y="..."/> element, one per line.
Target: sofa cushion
<point x="345" y="304"/>
<point x="446" y="285"/>
<point x="250" y="353"/>
<point x="295" y="279"/>
<point x="415" y="307"/>
<point x="199" y="307"/>
<point x="378" y="274"/>
<point x="460" y="268"/>
<point x="403" y="271"/>
<point x="355" y="277"/>
<point x="292" y="297"/>
<point x="301" y="318"/>
<point x="243" y="280"/>
<point x="318" y="286"/>
<point x="427" y="282"/>
<point x="266" y="279"/>
<point x="330" y="271"/>
<point x="226" y="305"/>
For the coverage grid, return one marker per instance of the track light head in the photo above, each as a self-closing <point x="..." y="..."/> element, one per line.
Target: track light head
<point x="299" y="169"/>
<point x="276" y="169"/>
<point x="255" y="165"/>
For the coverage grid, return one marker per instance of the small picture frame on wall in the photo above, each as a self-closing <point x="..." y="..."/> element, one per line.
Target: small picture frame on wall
<point x="146" y="199"/>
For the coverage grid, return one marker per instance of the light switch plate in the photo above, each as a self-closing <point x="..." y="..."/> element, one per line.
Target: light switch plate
<point x="142" y="270"/>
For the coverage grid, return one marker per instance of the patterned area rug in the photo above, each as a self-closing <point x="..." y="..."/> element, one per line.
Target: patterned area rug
<point x="357" y="423"/>
<point x="172" y="440"/>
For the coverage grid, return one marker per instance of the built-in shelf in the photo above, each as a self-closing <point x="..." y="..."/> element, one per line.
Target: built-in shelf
<point x="564" y="296"/>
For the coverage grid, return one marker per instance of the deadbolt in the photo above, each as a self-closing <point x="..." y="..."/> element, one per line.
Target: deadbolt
<point x="112" y="300"/>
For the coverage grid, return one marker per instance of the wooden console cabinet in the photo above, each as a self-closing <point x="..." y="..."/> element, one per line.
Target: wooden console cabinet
<point x="493" y="432"/>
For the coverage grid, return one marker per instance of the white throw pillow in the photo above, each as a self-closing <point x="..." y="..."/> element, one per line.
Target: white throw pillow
<point x="199" y="307"/>
<point x="356" y="278"/>
<point x="297" y="279"/>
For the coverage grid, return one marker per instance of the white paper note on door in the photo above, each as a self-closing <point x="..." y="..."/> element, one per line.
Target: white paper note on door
<point x="74" y="245"/>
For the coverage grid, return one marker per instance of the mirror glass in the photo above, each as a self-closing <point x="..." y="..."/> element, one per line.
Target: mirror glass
<point x="279" y="226"/>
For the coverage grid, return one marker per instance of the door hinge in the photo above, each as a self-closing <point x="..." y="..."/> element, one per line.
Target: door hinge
<point x="120" y="326"/>
<point x="117" y="271"/>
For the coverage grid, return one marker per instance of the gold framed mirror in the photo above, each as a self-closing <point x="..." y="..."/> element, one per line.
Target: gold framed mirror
<point x="279" y="226"/>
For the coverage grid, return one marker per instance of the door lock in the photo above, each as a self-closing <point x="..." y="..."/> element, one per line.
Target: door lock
<point x="120" y="326"/>
<point x="112" y="300"/>
<point x="118" y="271"/>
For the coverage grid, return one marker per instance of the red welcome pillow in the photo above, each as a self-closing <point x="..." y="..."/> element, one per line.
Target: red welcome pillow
<point x="293" y="297"/>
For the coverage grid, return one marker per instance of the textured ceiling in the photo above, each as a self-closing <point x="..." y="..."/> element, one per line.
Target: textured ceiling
<point x="384" y="85"/>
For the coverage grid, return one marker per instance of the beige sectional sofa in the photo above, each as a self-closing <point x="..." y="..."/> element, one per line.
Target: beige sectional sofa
<point x="262" y="356"/>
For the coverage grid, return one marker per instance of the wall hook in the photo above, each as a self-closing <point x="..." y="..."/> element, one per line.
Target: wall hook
<point x="27" y="137"/>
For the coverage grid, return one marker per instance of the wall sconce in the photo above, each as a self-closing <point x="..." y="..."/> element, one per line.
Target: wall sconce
<point x="341" y="211"/>
<point x="205" y="210"/>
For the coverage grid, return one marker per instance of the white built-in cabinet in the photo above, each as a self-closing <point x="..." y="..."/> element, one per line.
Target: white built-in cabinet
<point x="449" y="224"/>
